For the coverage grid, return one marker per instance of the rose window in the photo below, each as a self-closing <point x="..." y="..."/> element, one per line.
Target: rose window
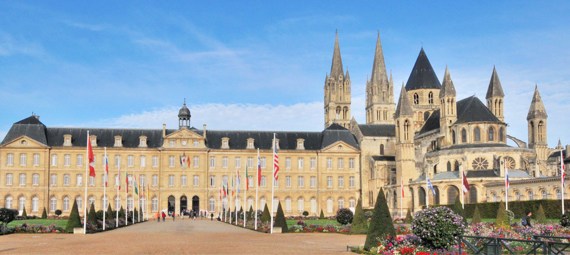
<point x="480" y="164"/>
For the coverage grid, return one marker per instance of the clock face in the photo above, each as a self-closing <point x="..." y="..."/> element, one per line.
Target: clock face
<point x="183" y="142"/>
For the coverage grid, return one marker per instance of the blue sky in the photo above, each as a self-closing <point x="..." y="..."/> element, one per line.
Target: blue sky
<point x="261" y="65"/>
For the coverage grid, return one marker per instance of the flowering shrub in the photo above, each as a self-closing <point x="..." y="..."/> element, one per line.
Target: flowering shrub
<point x="344" y="216"/>
<point x="437" y="227"/>
<point x="25" y="228"/>
<point x="320" y="228"/>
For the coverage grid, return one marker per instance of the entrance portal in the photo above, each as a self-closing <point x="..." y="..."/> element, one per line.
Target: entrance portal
<point x="183" y="204"/>
<point x="195" y="204"/>
<point x="171" y="204"/>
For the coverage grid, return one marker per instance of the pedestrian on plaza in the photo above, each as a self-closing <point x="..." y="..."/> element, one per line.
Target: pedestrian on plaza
<point x="173" y="216"/>
<point x="158" y="216"/>
<point x="163" y="216"/>
<point x="525" y="221"/>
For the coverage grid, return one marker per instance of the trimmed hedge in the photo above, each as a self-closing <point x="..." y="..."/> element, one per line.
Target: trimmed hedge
<point x="552" y="208"/>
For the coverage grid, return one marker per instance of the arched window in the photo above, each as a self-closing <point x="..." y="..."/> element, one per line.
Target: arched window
<point x="477" y="134"/>
<point x="530" y="195"/>
<point x="453" y="136"/>
<point x="406" y="130"/>
<point x="21" y="203"/>
<point x="338" y="109"/>
<point x="456" y="166"/>
<point x="540" y="131"/>
<point x="491" y="135"/>
<point x="53" y="204"/>
<point x="501" y="134"/>
<point x="452" y="194"/>
<point x="329" y="205"/>
<point x="66" y="204"/>
<point x="300" y="205"/>
<point x="422" y="194"/>
<point x="313" y="205"/>
<point x="448" y="166"/>
<point x="436" y="196"/>
<point x="518" y="196"/>
<point x="472" y="194"/>
<point x="532" y="133"/>
<point x="463" y="135"/>
<point x="416" y="98"/>
<point x="435" y="169"/>
<point x="430" y="98"/>
<point x="544" y="194"/>
<point x="381" y="149"/>
<point x="211" y="204"/>
<point x="35" y="204"/>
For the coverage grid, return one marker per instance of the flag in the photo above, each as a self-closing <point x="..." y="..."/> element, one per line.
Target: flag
<point x="430" y="186"/>
<point x="402" y="187"/>
<point x="106" y="171"/>
<point x="127" y="181"/>
<point x="135" y="184"/>
<point x="465" y="183"/>
<point x="119" y="177"/>
<point x="246" y="180"/>
<point x="275" y="160"/>
<point x="224" y="191"/>
<point x="562" y="169"/>
<point x="258" y="169"/>
<point x="507" y="182"/>
<point x="183" y="160"/>
<point x="90" y="157"/>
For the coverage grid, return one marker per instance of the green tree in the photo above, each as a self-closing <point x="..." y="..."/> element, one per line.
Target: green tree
<point x="409" y="218"/>
<point x="381" y="224"/>
<point x="540" y="216"/>
<point x="74" y="220"/>
<point x="265" y="216"/>
<point x="24" y="214"/>
<point x="121" y="213"/>
<point x="92" y="215"/>
<point x="359" y="222"/>
<point x="458" y="208"/>
<point x="322" y="216"/>
<point x="476" y="216"/>
<point x="44" y="214"/>
<point x="109" y="214"/>
<point x="136" y="215"/>
<point x="502" y="217"/>
<point x="280" y="219"/>
<point x="250" y="214"/>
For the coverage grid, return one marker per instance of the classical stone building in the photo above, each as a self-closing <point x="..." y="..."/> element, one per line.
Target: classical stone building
<point x="429" y="133"/>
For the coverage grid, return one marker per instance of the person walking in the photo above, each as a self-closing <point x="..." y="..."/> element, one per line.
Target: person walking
<point x="158" y="217"/>
<point x="163" y="216"/>
<point x="525" y="221"/>
<point x="173" y="216"/>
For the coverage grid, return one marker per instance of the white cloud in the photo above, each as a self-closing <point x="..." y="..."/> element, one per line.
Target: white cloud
<point x="11" y="46"/>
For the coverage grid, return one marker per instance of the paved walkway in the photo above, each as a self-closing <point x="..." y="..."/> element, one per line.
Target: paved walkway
<point x="179" y="237"/>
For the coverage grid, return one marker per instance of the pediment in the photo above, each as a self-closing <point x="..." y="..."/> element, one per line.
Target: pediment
<point x="24" y="142"/>
<point x="339" y="146"/>
<point x="184" y="138"/>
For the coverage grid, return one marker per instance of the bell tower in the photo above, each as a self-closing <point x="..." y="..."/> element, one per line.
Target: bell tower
<point x="184" y="117"/>
<point x="337" y="92"/>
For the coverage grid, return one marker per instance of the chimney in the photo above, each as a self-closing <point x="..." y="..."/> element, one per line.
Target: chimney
<point x="204" y="130"/>
<point x="163" y="130"/>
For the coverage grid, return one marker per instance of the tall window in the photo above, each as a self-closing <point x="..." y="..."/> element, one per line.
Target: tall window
<point x="288" y="181"/>
<point x="501" y="134"/>
<point x="79" y="159"/>
<point x="79" y="180"/>
<point x="340" y="163"/>
<point x="196" y="161"/>
<point x="329" y="181"/>
<point x="491" y="134"/>
<point x="329" y="163"/>
<point x="351" y="182"/>
<point x="171" y="180"/>
<point x="22" y="179"/>
<point x="212" y="204"/>
<point x="463" y="135"/>
<point x="263" y="162"/>
<point x="154" y="204"/>
<point x="416" y="98"/>
<point x="53" y="180"/>
<point x="117" y="161"/>
<point x="329" y="205"/>
<point x="35" y="204"/>
<point x="263" y="181"/>
<point x="183" y="180"/>
<point x="287" y="163"/>
<point x="249" y="162"/>
<point x="8" y="202"/>
<point x="36" y="159"/>
<point x="130" y="161"/>
<point x="9" y="180"/>
<point x="143" y="161"/>
<point x="212" y="162"/>
<point x="301" y="181"/>
<point x="300" y="163"/>
<point x="430" y="98"/>
<point x="9" y="159"/>
<point x="224" y="162"/>
<point x="52" y="204"/>
<point x="66" y="160"/>
<point x="171" y="161"/>
<point x="238" y="162"/>
<point x="477" y="134"/>
<point x="21" y="203"/>
<point x="351" y="163"/>
<point x="196" y="180"/>
<point x="155" y="161"/>
<point x="23" y="159"/>
<point x="54" y="160"/>
<point x="341" y="182"/>
<point x="313" y="182"/>
<point x="66" y="204"/>
<point x="35" y="179"/>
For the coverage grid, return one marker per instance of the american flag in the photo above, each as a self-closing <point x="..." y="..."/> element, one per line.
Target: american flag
<point x="275" y="159"/>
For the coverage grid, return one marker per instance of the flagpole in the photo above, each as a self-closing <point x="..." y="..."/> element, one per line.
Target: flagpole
<point x="272" y="187"/>
<point x="257" y="189"/>
<point x="133" y="182"/>
<point x="86" y="174"/>
<point x="427" y="193"/>
<point x="506" y="185"/>
<point x="402" y="197"/>
<point x="236" y="188"/>
<point x="245" y="196"/>
<point x="118" y="197"/>
<point x="230" y="207"/>
<point x="126" y="195"/>
<point x="463" y="189"/>
<point x="562" y="179"/>
<point x="105" y="190"/>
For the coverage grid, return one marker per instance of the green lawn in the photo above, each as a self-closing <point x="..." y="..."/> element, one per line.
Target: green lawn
<point x="314" y="222"/>
<point x="47" y="222"/>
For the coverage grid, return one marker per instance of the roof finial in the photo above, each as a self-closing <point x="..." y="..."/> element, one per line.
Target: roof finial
<point x="184" y="101"/>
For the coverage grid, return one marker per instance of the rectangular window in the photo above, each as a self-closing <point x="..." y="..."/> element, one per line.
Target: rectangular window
<point x="155" y="161"/>
<point x="91" y="181"/>
<point x="154" y="204"/>
<point x="142" y="180"/>
<point x="79" y="159"/>
<point x="154" y="180"/>
<point x="329" y="181"/>
<point x="9" y="180"/>
<point x="130" y="161"/>
<point x="238" y="162"/>
<point x="301" y="182"/>
<point x="300" y="163"/>
<point x="184" y="180"/>
<point x="54" y="160"/>
<point x="313" y="163"/>
<point x="66" y="180"/>
<point x="340" y="163"/>
<point x="35" y="179"/>
<point x="117" y="161"/>
<point x="287" y="163"/>
<point x="196" y="161"/>
<point x="79" y="180"/>
<point x="263" y="181"/>
<point x="9" y="159"/>
<point x="250" y="182"/>
<point x="22" y="179"/>
<point x="351" y="163"/>
<point x="171" y="161"/>
<point x="224" y="162"/>
<point x="143" y="161"/>
<point x="313" y="182"/>
<point x="351" y="182"/>
<point x="329" y="163"/>
<point x="53" y="180"/>
<point x="288" y="181"/>
<point x="171" y="180"/>
<point x="212" y="162"/>
<point x="262" y="162"/>
<point x="66" y="160"/>
<point x="341" y="182"/>
<point x="23" y="159"/>
<point x="249" y="162"/>
<point x="36" y="159"/>
<point x="196" y="180"/>
<point x="212" y="180"/>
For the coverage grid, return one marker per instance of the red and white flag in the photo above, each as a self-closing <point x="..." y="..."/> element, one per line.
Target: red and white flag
<point x="465" y="183"/>
<point x="275" y="160"/>
<point x="562" y="169"/>
<point x="91" y="158"/>
<point x="258" y="169"/>
<point x="402" y="187"/>
<point x="106" y="171"/>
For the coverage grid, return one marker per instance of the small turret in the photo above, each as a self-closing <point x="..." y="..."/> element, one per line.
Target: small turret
<point x="495" y="96"/>
<point x="184" y="116"/>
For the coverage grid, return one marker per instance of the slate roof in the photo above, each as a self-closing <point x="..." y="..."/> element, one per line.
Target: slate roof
<point x="495" y="89"/>
<point x="36" y="130"/>
<point x="384" y="158"/>
<point x="382" y="130"/>
<point x="476" y="174"/>
<point x="422" y="75"/>
<point x="470" y="109"/>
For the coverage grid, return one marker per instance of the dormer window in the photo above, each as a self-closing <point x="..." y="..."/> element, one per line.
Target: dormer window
<point x="67" y="140"/>
<point x="250" y="143"/>
<point x="93" y="140"/>
<point x="142" y="141"/>
<point x="300" y="144"/>
<point x="225" y="142"/>
<point x="171" y="142"/>
<point x="277" y="144"/>
<point x="118" y="141"/>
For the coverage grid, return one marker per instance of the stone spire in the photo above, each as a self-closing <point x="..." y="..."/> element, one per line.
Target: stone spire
<point x="495" y="89"/>
<point x="404" y="107"/>
<point x="447" y="88"/>
<point x="380" y="105"/>
<point x="536" y="109"/>
<point x="379" y="76"/>
<point x="422" y="75"/>
<point x="336" y="67"/>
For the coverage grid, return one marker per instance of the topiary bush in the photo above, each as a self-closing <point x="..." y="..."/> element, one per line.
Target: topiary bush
<point x="476" y="216"/>
<point x="280" y="219"/>
<point x="565" y="220"/>
<point x="344" y="216"/>
<point x="74" y="221"/>
<point x="437" y="227"/>
<point x="409" y="218"/>
<point x="7" y="215"/>
<point x="381" y="224"/>
<point x="265" y="216"/>
<point x="540" y="216"/>
<point x="305" y="213"/>
<point x="44" y="214"/>
<point x="502" y="219"/>
<point x="322" y="215"/>
<point x="359" y="222"/>
<point x="58" y="212"/>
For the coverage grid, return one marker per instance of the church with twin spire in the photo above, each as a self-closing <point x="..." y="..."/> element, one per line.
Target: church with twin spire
<point x="427" y="134"/>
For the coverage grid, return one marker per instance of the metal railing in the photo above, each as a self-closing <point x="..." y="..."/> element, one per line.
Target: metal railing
<point x="494" y="245"/>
